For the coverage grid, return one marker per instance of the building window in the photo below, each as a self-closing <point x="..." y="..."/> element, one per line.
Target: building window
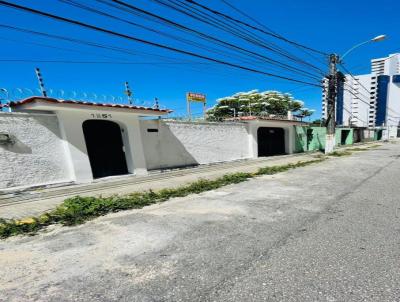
<point x="381" y="105"/>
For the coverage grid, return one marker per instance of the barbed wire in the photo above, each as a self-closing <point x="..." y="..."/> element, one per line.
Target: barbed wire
<point x="199" y="117"/>
<point x="20" y="93"/>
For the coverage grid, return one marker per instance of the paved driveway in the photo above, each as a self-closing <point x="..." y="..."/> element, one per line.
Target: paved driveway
<point x="327" y="232"/>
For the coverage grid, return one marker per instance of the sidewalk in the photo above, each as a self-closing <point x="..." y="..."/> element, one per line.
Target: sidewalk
<point x="34" y="202"/>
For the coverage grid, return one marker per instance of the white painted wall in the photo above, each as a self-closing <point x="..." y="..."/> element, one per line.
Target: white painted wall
<point x="393" y="105"/>
<point x="182" y="143"/>
<point x="361" y="108"/>
<point x="38" y="155"/>
<point x="288" y="127"/>
<point x="51" y="148"/>
<point x="71" y="127"/>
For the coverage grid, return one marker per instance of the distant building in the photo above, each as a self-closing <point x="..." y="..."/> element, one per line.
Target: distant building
<point x="370" y="100"/>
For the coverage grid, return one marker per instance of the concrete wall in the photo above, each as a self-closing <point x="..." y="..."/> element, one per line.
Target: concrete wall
<point x="288" y="127"/>
<point x="71" y="129"/>
<point x="38" y="155"/>
<point x="51" y="148"/>
<point x="348" y="139"/>
<point x="309" y="138"/>
<point x="316" y="138"/>
<point x="183" y="144"/>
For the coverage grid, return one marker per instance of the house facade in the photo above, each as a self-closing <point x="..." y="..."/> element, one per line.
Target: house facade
<point x="60" y="141"/>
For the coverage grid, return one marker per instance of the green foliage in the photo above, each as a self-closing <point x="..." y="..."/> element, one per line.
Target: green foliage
<point x="374" y="146"/>
<point x="340" y="153"/>
<point x="256" y="103"/>
<point x="78" y="209"/>
<point x="318" y="122"/>
<point x="356" y="149"/>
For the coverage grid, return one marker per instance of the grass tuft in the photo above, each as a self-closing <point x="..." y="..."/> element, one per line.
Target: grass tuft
<point x="340" y="153"/>
<point x="374" y="146"/>
<point x="356" y="149"/>
<point x="78" y="209"/>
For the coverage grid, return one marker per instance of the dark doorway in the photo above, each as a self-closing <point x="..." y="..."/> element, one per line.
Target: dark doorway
<point x="379" y="135"/>
<point x="344" y="136"/>
<point x="105" y="148"/>
<point x="271" y="141"/>
<point x="310" y="137"/>
<point x="357" y="135"/>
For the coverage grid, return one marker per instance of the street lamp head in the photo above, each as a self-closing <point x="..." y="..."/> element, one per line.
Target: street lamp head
<point x="379" y="38"/>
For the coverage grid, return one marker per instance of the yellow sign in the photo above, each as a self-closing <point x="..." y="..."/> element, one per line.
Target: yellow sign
<point x="196" y="97"/>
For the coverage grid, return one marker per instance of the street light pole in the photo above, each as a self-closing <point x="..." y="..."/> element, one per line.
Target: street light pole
<point x="376" y="39"/>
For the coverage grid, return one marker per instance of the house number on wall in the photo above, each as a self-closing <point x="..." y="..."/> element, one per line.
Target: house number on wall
<point x="100" y="115"/>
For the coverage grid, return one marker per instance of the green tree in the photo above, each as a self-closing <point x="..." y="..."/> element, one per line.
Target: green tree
<point x="257" y="104"/>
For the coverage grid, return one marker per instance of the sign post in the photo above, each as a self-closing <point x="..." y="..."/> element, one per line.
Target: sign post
<point x="197" y="98"/>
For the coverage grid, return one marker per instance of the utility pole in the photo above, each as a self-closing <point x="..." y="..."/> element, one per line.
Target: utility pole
<point x="331" y="102"/>
<point x="41" y="83"/>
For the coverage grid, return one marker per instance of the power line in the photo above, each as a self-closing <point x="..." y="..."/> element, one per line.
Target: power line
<point x="232" y="28"/>
<point x="132" y="38"/>
<point x="346" y="70"/>
<point x="187" y="64"/>
<point x="256" y="28"/>
<point x="269" y="29"/>
<point x="91" y="62"/>
<point x="85" y="42"/>
<point x="364" y="89"/>
<point x="229" y="45"/>
<point x="352" y="115"/>
<point x="99" y="12"/>
<point x="55" y="47"/>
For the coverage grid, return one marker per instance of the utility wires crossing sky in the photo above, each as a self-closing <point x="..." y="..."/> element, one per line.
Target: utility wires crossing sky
<point x="290" y="67"/>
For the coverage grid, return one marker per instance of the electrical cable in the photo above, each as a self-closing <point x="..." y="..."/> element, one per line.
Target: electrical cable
<point x="255" y="28"/>
<point x="147" y="42"/>
<point x="130" y="8"/>
<point x="232" y="28"/>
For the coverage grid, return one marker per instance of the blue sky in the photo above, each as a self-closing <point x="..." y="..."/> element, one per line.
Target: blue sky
<point x="318" y="24"/>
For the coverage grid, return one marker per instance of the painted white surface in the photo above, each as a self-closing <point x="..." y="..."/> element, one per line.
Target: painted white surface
<point x="287" y="126"/>
<point x="51" y="147"/>
<point x="38" y="155"/>
<point x="182" y="143"/>
<point x="71" y="118"/>
<point x="393" y="105"/>
<point x="388" y="65"/>
<point x="361" y="109"/>
<point x="71" y="123"/>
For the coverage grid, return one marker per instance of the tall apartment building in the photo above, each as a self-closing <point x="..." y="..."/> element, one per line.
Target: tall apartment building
<point x="370" y="100"/>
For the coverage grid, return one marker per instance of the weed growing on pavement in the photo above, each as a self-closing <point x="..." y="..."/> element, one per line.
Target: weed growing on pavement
<point x="356" y="149"/>
<point x="374" y="146"/>
<point x="340" y="153"/>
<point x="77" y="210"/>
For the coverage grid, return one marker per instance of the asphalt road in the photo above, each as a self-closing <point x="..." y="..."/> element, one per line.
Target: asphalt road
<point x="326" y="232"/>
